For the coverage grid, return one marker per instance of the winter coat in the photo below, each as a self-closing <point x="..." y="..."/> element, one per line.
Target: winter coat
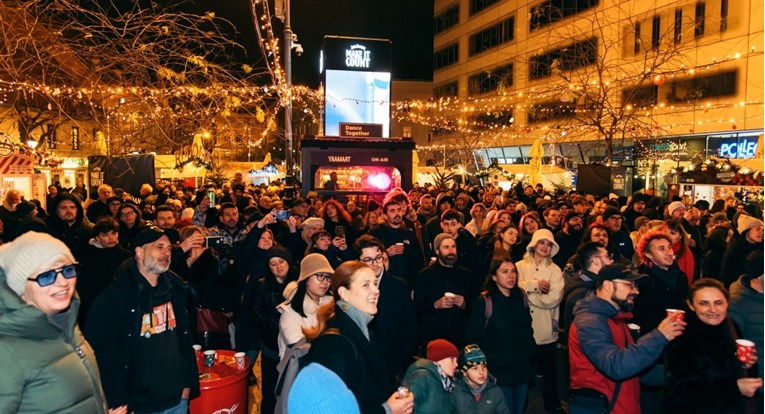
<point x="713" y="259"/>
<point x="507" y="339"/>
<point x="291" y="323"/>
<point x="745" y="308"/>
<point x="97" y="269"/>
<point x="661" y="290"/>
<point x="702" y="370"/>
<point x="425" y="384"/>
<point x="394" y="328"/>
<point x="264" y="315"/>
<point x="492" y="400"/>
<point x="357" y="361"/>
<point x="404" y="265"/>
<point x="734" y="258"/>
<point x="601" y="352"/>
<point x="576" y="288"/>
<point x="46" y="367"/>
<point x="430" y="285"/>
<point x="544" y="308"/>
<point x="115" y="328"/>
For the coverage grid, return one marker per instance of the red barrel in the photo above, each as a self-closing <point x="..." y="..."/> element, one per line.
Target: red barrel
<point x="223" y="387"/>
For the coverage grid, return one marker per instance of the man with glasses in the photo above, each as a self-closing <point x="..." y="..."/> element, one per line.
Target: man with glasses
<point x="605" y="359"/>
<point x="395" y="326"/>
<point x="140" y="330"/>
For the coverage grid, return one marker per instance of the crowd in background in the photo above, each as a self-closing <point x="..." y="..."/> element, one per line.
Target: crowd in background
<point x="460" y="294"/>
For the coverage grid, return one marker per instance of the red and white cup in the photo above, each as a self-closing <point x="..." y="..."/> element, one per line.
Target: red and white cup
<point x="197" y="352"/>
<point x="744" y="350"/>
<point x="240" y="360"/>
<point x="679" y="315"/>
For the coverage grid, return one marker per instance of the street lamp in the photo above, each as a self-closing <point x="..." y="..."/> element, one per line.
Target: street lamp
<point x="289" y="38"/>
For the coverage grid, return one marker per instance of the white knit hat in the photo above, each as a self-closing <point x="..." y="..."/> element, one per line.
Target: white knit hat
<point x="674" y="206"/>
<point x="747" y="222"/>
<point x="27" y="254"/>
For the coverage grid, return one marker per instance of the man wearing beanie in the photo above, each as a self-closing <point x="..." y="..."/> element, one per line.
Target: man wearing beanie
<point x="475" y="390"/>
<point x="745" y="305"/>
<point x="430" y="379"/>
<point x="440" y="291"/>
<point x="676" y="210"/>
<point x="140" y="330"/>
<point x="748" y="239"/>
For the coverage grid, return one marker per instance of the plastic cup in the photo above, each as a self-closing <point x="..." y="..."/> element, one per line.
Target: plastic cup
<point x="239" y="357"/>
<point x="679" y="315"/>
<point x="209" y="358"/>
<point x="744" y="350"/>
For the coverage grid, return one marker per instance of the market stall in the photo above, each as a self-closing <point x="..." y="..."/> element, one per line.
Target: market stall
<point x="716" y="178"/>
<point x="17" y="173"/>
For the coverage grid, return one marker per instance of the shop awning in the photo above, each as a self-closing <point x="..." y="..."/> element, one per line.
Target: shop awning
<point x="17" y="164"/>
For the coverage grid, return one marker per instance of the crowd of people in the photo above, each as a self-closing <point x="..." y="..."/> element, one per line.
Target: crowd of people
<point x="426" y="301"/>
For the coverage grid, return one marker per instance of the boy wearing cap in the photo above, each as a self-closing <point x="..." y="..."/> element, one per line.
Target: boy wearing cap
<point x="475" y="391"/>
<point x="430" y="379"/>
<point x="602" y="352"/>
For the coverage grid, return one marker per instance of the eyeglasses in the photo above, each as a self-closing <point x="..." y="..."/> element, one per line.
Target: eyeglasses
<point x="48" y="278"/>
<point x="631" y="285"/>
<point x="369" y="260"/>
<point x="321" y="277"/>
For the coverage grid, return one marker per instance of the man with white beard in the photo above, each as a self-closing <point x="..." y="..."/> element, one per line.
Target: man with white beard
<point x="140" y="331"/>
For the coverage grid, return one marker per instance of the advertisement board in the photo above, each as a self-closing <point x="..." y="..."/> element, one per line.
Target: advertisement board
<point x="357" y="83"/>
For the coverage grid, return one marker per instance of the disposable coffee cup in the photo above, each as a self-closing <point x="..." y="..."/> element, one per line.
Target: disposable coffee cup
<point x="209" y="358"/>
<point x="744" y="350"/>
<point x="679" y="315"/>
<point x="400" y="244"/>
<point x="633" y="327"/>
<point x="239" y="357"/>
<point x="197" y="352"/>
<point x="449" y="294"/>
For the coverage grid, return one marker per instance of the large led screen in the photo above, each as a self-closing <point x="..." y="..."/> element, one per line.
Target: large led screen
<point x="356" y="97"/>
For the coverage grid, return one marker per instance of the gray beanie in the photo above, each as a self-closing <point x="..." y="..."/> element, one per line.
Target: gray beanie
<point x="439" y="239"/>
<point x="29" y="253"/>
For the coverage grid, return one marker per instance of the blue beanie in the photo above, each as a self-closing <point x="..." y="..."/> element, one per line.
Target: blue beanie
<point x="317" y="390"/>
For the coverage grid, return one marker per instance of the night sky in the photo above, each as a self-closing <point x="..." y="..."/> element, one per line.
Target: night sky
<point x="408" y="23"/>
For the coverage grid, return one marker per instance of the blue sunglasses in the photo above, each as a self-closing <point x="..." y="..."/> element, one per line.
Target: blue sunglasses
<point x="48" y="278"/>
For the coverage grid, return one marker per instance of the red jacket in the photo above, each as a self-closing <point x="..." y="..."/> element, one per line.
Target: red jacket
<point x="585" y="375"/>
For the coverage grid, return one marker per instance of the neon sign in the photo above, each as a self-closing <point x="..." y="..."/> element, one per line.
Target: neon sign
<point x="743" y="149"/>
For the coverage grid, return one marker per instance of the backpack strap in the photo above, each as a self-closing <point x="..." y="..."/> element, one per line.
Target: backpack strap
<point x="487" y="312"/>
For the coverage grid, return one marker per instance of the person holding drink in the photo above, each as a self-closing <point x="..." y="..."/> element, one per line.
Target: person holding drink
<point x="704" y="374"/>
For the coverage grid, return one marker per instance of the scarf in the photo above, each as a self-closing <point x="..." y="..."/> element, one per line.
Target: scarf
<point x="446" y="380"/>
<point x="361" y="319"/>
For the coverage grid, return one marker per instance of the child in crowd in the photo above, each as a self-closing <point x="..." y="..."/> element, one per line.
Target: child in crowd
<point x="431" y="379"/>
<point x="474" y="389"/>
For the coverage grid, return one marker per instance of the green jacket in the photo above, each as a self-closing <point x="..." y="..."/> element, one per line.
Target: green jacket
<point x="44" y="369"/>
<point x="492" y="399"/>
<point x="424" y="382"/>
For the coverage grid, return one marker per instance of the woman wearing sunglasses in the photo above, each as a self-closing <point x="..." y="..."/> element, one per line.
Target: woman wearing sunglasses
<point x="48" y="367"/>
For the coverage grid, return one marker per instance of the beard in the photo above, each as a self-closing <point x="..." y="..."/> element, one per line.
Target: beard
<point x="624" y="304"/>
<point x="448" y="260"/>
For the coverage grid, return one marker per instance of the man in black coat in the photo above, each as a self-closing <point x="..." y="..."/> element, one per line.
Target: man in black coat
<point x="395" y="326"/>
<point x="749" y="239"/>
<point x="400" y="242"/>
<point x="65" y="223"/>
<point x="568" y="238"/>
<point x="441" y="291"/>
<point x="468" y="254"/>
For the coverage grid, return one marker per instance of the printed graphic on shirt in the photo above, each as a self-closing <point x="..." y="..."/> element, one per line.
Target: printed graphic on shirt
<point x="161" y="319"/>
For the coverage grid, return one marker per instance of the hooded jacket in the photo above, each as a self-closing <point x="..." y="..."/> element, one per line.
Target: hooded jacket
<point x="47" y="368"/>
<point x="424" y="382"/>
<point x="601" y="352"/>
<point x="76" y="236"/>
<point x="544" y="307"/>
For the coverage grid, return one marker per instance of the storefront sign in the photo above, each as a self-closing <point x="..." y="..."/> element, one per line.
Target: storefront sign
<point x="742" y="149"/>
<point x="352" y="130"/>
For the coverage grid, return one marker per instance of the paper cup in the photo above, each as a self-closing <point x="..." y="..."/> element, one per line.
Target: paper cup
<point x="744" y="350"/>
<point x="239" y="357"/>
<point x="449" y="294"/>
<point x="197" y="352"/>
<point x="209" y="358"/>
<point x="679" y="315"/>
